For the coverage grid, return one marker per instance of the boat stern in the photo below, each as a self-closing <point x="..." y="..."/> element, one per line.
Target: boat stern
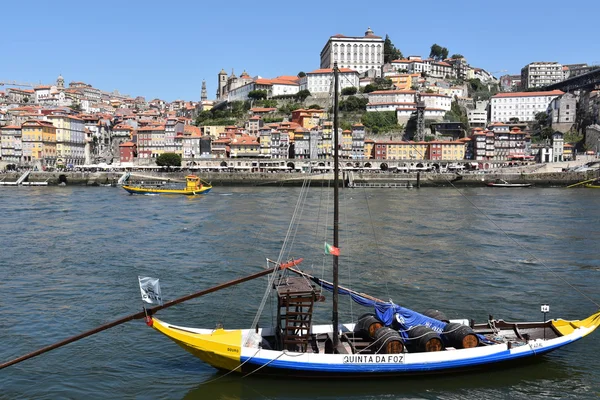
<point x="219" y="348"/>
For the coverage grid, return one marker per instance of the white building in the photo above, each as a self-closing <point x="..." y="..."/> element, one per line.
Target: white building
<point x="542" y="73"/>
<point x="391" y="100"/>
<point x="280" y="86"/>
<point x="360" y="53"/>
<point x="404" y="103"/>
<point x="417" y="65"/>
<point x="521" y="105"/>
<point x="379" y="97"/>
<point x="558" y="145"/>
<point x="478" y="116"/>
<point x="483" y="75"/>
<point x="412" y="65"/>
<point x="321" y="80"/>
<point x="437" y="101"/>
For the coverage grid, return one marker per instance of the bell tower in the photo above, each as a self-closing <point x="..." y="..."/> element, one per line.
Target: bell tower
<point x="203" y="95"/>
<point x="222" y="84"/>
<point x="60" y="82"/>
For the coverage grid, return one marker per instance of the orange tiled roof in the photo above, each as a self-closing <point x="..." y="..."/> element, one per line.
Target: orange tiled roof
<point x="244" y="140"/>
<point x="529" y="94"/>
<point x="263" y="109"/>
<point x="393" y="92"/>
<point x="192" y="130"/>
<point x="330" y="70"/>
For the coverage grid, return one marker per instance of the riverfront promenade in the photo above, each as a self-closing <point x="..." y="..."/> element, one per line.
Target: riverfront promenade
<point x="424" y="179"/>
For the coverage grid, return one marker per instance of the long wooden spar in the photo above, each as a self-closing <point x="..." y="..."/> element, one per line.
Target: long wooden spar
<point x="149" y="311"/>
<point x="309" y="276"/>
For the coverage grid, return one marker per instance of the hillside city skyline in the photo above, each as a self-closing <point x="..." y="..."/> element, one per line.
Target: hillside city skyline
<point x="172" y="67"/>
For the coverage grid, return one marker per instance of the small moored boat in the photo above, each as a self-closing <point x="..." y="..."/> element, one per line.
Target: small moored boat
<point x="505" y="184"/>
<point x="595" y="184"/>
<point x="194" y="186"/>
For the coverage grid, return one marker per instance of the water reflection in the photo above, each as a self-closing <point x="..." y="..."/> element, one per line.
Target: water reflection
<point x="536" y="379"/>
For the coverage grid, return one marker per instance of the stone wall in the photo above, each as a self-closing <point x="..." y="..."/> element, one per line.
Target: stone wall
<point x="560" y="179"/>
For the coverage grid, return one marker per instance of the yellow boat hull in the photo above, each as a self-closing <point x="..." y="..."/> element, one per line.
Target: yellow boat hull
<point x="186" y="192"/>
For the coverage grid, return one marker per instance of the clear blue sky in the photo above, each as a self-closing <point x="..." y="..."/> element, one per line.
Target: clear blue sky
<point x="165" y="49"/>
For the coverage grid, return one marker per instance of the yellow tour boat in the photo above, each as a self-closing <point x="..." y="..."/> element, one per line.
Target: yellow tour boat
<point x="194" y="186"/>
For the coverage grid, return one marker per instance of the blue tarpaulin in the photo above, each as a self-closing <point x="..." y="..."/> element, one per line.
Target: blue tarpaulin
<point x="388" y="312"/>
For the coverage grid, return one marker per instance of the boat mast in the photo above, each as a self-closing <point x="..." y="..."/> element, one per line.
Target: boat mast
<point x="336" y="211"/>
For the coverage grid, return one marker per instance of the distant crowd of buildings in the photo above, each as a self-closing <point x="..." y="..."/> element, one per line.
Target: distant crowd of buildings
<point x="55" y="125"/>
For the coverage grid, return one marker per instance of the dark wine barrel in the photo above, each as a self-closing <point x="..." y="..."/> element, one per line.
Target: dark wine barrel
<point x="367" y="325"/>
<point x="422" y="338"/>
<point x="435" y="314"/>
<point x="459" y="336"/>
<point x="388" y="341"/>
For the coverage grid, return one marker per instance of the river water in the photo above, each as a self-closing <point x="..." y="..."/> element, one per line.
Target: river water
<point x="70" y="257"/>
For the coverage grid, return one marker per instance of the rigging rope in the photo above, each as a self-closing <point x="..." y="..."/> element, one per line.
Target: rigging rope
<point x="280" y="257"/>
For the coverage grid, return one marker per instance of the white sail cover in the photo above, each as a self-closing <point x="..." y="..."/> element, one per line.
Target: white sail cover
<point x="150" y="289"/>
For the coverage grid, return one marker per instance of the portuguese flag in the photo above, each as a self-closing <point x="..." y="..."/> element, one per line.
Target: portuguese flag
<point x="329" y="249"/>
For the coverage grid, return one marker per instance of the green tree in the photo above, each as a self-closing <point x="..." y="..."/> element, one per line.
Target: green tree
<point x="348" y="91"/>
<point x="269" y="103"/>
<point x="288" y="108"/>
<point x="238" y="108"/>
<point x="390" y="52"/>
<point x="302" y="95"/>
<point x="346" y="125"/>
<point x="315" y="107"/>
<point x="438" y="52"/>
<point x="456" y="55"/>
<point x="573" y="137"/>
<point x="353" y="103"/>
<point x="380" y="122"/>
<point x="301" y="74"/>
<point x="370" y="88"/>
<point x="444" y="53"/>
<point x="258" y="94"/>
<point x="169" y="160"/>
<point x="541" y="119"/>
<point x="383" y="83"/>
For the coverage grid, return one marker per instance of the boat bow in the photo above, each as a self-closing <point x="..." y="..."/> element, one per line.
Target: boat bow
<point x="568" y="327"/>
<point x="219" y="348"/>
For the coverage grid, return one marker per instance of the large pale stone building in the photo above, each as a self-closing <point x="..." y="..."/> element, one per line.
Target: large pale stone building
<point x="360" y="53"/>
<point x="521" y="105"/>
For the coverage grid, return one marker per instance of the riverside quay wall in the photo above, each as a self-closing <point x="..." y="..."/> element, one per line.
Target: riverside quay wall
<point x="422" y="179"/>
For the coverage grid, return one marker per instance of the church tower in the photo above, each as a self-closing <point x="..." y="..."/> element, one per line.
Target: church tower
<point x="60" y="82"/>
<point x="222" y="84"/>
<point x="203" y="95"/>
